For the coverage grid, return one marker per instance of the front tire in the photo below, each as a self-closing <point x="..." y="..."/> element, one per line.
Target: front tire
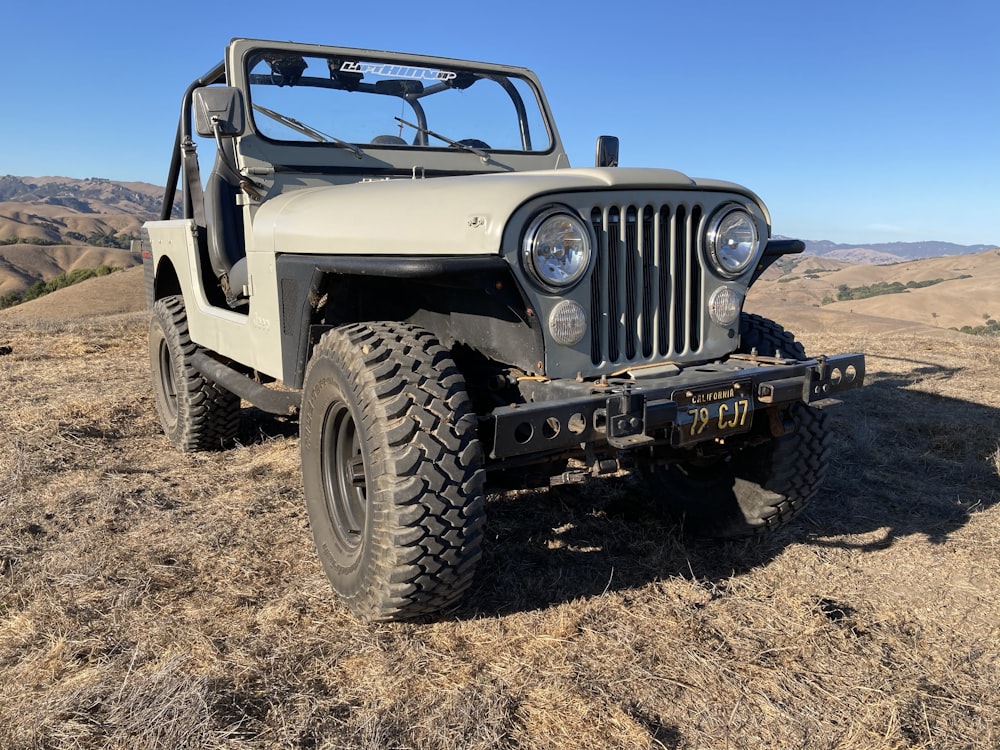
<point x="768" y="338"/>
<point x="759" y="488"/>
<point x="392" y="470"/>
<point x="196" y="413"/>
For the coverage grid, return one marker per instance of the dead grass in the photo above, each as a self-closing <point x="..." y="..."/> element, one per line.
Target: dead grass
<point x="152" y="599"/>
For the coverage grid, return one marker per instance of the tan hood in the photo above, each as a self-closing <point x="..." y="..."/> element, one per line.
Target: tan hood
<point x="435" y="216"/>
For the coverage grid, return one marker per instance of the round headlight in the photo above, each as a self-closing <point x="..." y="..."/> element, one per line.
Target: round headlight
<point x="732" y="241"/>
<point x="556" y="249"/>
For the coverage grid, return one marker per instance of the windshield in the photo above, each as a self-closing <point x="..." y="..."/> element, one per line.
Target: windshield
<point x="295" y="98"/>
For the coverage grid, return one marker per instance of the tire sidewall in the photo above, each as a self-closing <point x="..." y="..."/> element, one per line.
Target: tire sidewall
<point x="163" y="333"/>
<point x="326" y="385"/>
<point x="200" y="415"/>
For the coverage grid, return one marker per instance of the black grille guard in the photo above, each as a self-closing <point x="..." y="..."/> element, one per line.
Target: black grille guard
<point x="628" y="414"/>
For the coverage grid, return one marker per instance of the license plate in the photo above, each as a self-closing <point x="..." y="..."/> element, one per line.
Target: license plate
<point x="710" y="412"/>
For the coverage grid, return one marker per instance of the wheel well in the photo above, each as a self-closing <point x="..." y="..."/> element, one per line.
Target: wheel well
<point x="487" y="315"/>
<point x="473" y="303"/>
<point x="167" y="282"/>
<point x="486" y="318"/>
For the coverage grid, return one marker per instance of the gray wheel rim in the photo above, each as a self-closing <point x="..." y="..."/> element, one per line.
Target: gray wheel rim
<point x="344" y="481"/>
<point x="168" y="384"/>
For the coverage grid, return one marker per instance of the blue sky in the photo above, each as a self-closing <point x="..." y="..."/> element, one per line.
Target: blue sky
<point x="854" y="121"/>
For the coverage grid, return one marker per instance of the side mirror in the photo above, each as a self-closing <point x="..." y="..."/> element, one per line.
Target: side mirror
<point x="222" y="105"/>
<point x="607" y="151"/>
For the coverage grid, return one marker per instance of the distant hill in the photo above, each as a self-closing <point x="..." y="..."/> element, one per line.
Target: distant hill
<point x="119" y="292"/>
<point x="90" y="196"/>
<point x="53" y="225"/>
<point x="21" y="265"/>
<point x="889" y="252"/>
<point x="948" y="292"/>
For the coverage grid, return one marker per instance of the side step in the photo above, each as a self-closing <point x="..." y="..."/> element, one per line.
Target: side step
<point x="265" y="399"/>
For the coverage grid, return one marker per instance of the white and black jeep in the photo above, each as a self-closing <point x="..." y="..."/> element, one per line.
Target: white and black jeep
<point x="395" y="248"/>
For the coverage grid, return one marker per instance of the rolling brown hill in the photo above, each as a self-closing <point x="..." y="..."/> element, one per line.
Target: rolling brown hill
<point x="21" y="265"/>
<point x="953" y="303"/>
<point x="53" y="225"/>
<point x="93" y="195"/>
<point x="120" y="292"/>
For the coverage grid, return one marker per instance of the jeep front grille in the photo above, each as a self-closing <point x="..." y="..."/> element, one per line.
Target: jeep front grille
<point x="645" y="293"/>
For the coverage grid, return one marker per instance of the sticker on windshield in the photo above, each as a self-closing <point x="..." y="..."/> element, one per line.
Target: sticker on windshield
<point x="387" y="70"/>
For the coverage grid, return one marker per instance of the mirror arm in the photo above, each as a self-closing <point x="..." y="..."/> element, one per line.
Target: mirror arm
<point x="248" y="185"/>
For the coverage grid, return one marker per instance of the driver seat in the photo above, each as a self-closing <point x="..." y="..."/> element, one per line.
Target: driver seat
<point x="225" y="235"/>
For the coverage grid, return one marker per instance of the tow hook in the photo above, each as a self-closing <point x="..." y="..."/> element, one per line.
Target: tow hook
<point x="598" y="467"/>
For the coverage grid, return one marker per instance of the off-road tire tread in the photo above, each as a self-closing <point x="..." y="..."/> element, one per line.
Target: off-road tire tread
<point x="773" y="481"/>
<point x="769" y="338"/>
<point x="797" y="461"/>
<point x="208" y="415"/>
<point x="427" y="467"/>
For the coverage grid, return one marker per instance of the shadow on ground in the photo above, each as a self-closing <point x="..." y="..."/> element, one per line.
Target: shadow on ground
<point x="258" y="427"/>
<point x="905" y="462"/>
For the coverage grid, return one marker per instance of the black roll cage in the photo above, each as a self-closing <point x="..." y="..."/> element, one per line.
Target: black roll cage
<point x="217" y="75"/>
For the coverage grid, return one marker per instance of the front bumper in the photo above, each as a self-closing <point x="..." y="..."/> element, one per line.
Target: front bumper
<point x="687" y="406"/>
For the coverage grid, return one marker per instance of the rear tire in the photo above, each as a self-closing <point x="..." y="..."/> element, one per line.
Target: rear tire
<point x="196" y="413"/>
<point x="759" y="488"/>
<point x="392" y="470"/>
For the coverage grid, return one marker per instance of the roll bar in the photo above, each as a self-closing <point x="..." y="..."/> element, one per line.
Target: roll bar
<point x="215" y="75"/>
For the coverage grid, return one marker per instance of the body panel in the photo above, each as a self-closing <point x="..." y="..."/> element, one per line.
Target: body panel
<point x="440" y="216"/>
<point x="250" y="339"/>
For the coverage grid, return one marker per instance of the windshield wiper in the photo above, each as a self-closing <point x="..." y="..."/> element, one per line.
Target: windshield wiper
<point x="306" y="130"/>
<point x="481" y="153"/>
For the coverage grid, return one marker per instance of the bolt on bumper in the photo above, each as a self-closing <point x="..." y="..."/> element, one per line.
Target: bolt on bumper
<point x="698" y="404"/>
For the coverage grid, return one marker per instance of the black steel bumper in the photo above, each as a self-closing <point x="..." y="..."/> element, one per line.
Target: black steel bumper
<point x="631" y="413"/>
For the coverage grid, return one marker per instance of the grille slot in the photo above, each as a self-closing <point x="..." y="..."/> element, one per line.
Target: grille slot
<point x="645" y="291"/>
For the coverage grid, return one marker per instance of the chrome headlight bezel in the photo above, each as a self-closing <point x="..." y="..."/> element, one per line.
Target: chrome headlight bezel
<point x="732" y="241"/>
<point x="533" y="250"/>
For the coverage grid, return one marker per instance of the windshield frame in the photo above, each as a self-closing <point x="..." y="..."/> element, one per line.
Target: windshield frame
<point x="412" y="79"/>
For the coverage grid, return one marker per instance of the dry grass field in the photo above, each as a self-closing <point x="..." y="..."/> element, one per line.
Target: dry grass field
<point x="153" y="599"/>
